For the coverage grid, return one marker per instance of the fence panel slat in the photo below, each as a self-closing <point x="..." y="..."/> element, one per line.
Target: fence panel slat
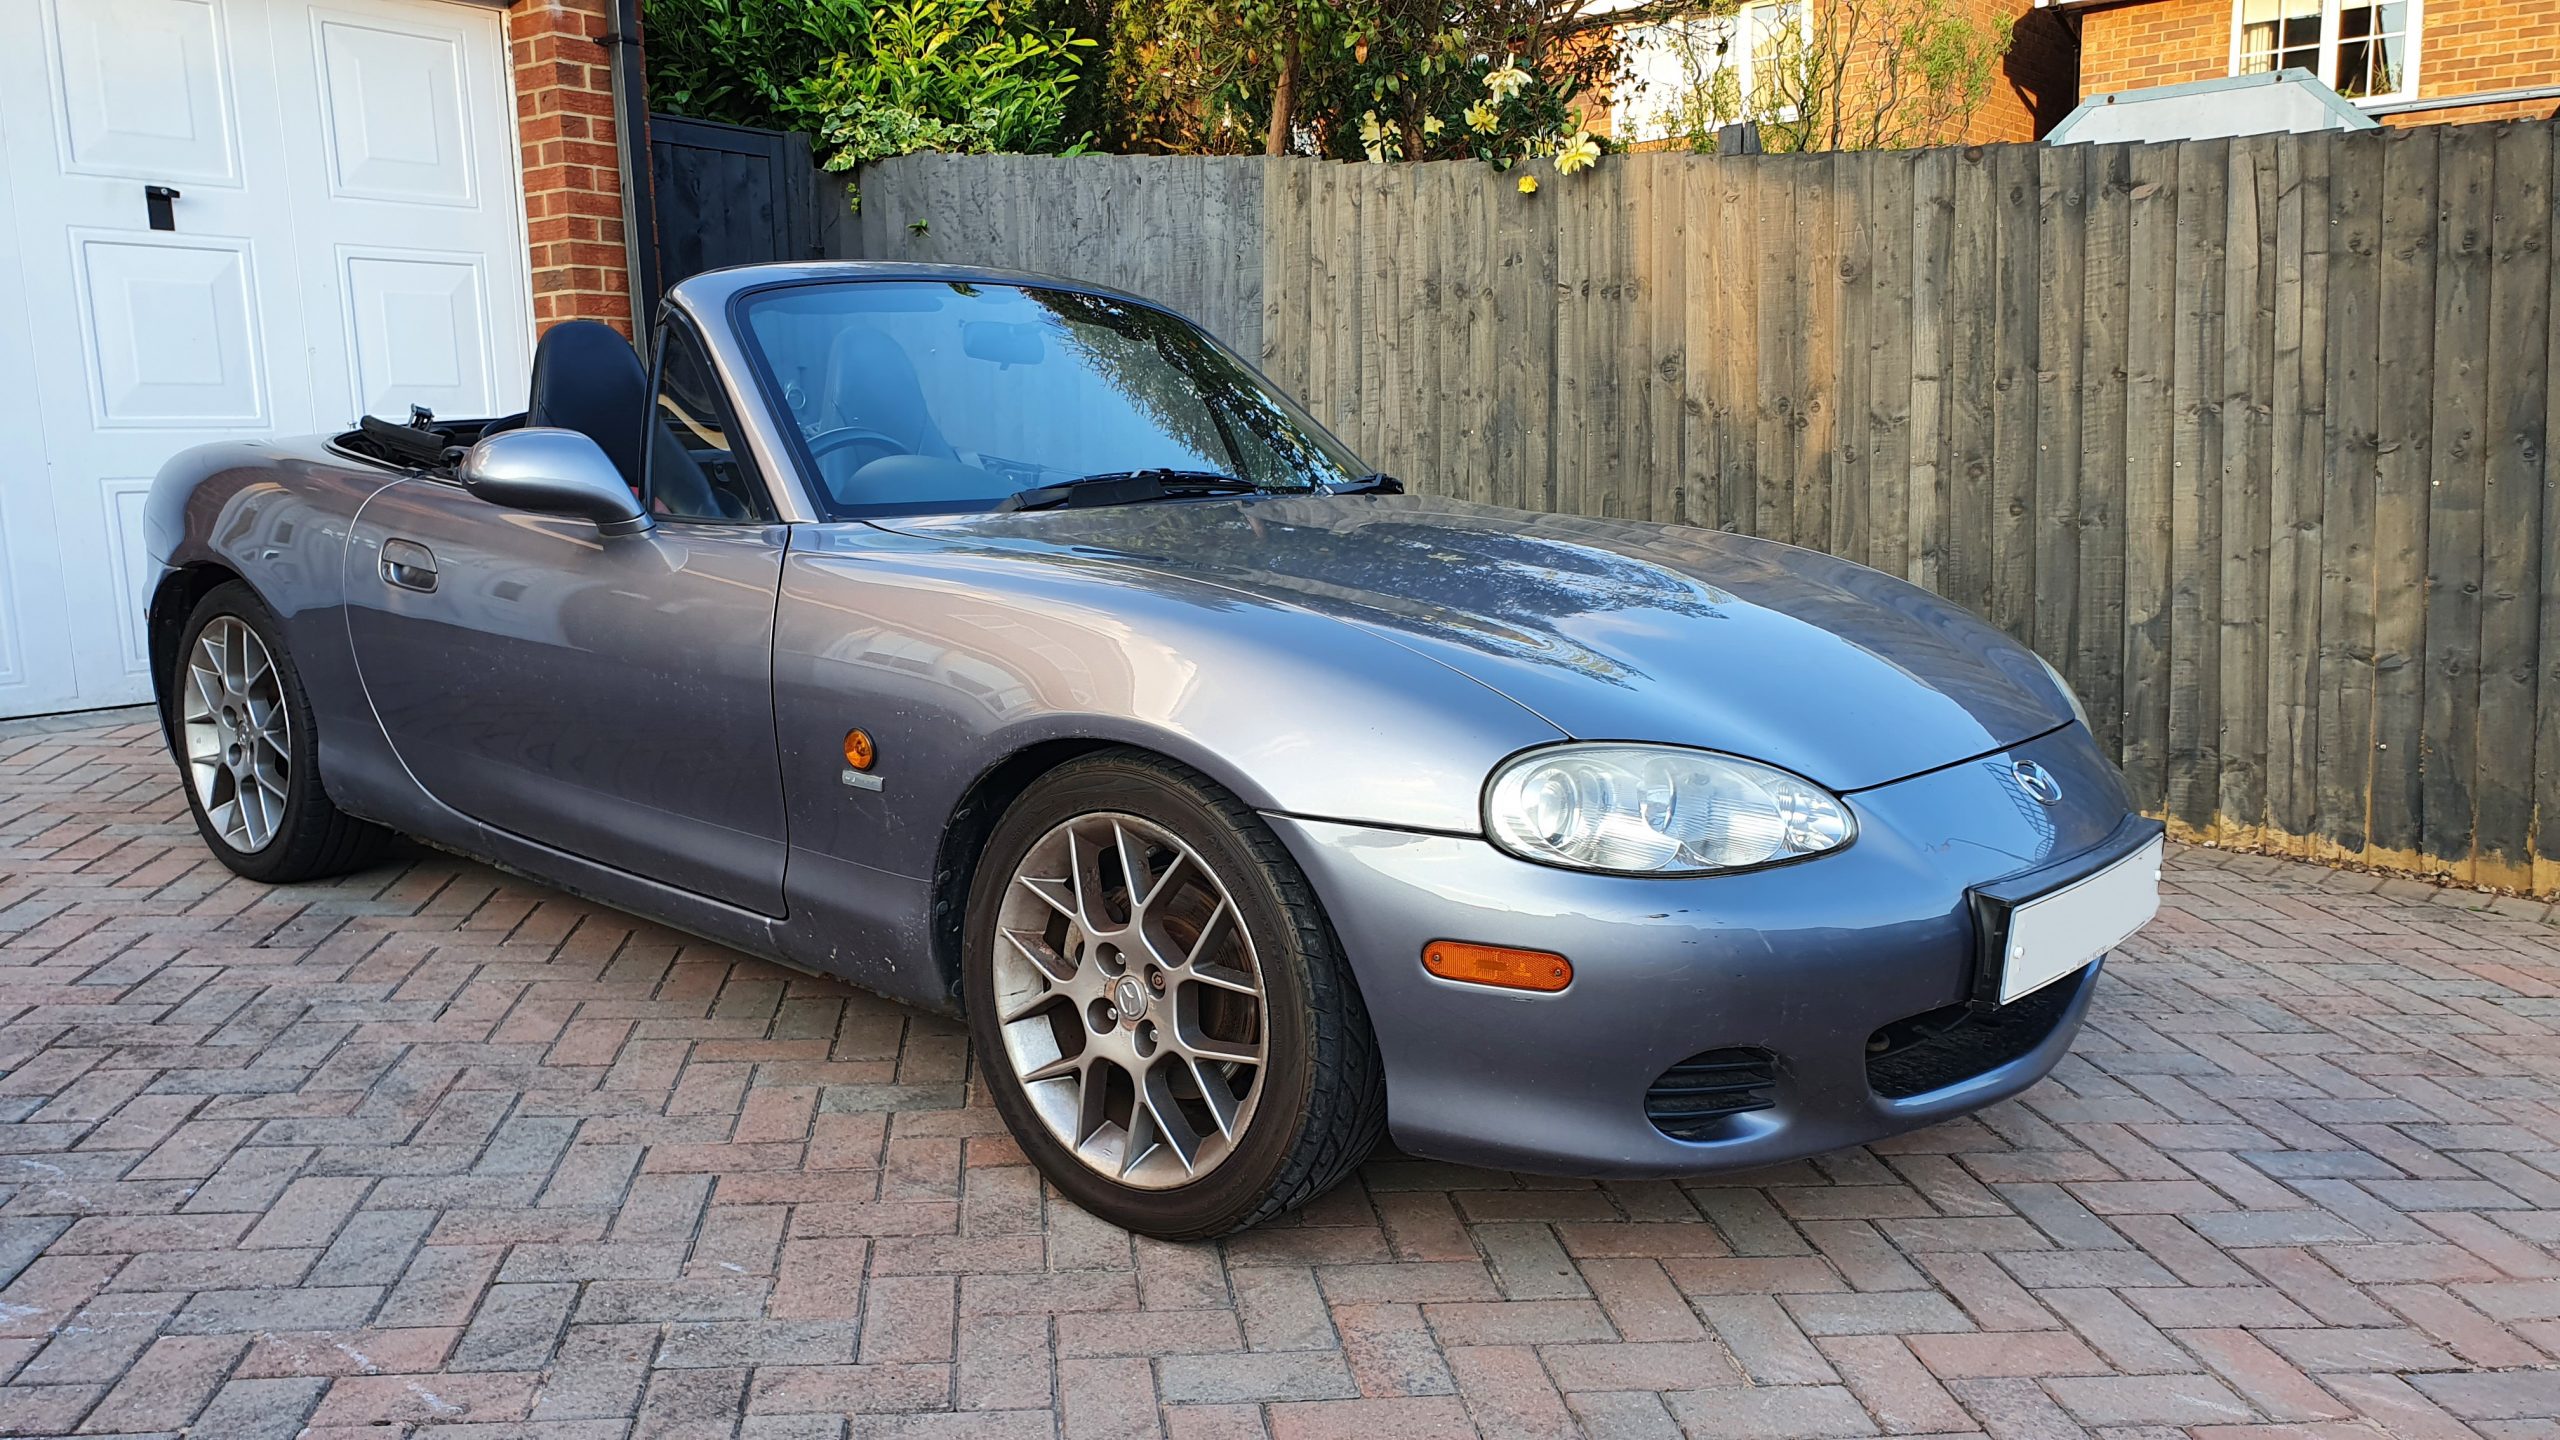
<point x="2347" y="507"/>
<point x="2016" y="318"/>
<point x="2295" y="528"/>
<point x="1723" y="341"/>
<point x="2457" y="478"/>
<point x="2150" y="462"/>
<point x="2245" y="482"/>
<point x="1972" y="332"/>
<point x="2516" y="436"/>
<point x="2403" y="453"/>
<point x="2194" y="774"/>
<point x="1889" y="367"/>
<point x="1779" y="293"/>
<point x="2062" y="204"/>
<point x="1932" y="235"/>
<point x="1657" y="306"/>
<point x="2546" y="750"/>
<point x="1852" y="481"/>
<point x="1813" y="416"/>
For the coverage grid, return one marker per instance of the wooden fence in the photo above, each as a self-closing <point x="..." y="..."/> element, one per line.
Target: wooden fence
<point x="2247" y="436"/>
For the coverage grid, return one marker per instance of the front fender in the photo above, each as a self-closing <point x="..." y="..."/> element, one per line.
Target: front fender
<point x="954" y="657"/>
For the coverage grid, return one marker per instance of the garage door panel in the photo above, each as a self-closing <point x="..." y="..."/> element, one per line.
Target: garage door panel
<point x="170" y="325"/>
<point x="13" y="668"/>
<point x="143" y="90"/>
<point x="396" y="112"/>
<point x="128" y="564"/>
<point x="350" y="237"/>
<point x="418" y="327"/>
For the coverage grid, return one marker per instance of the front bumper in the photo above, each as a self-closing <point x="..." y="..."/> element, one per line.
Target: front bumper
<point x="1809" y="963"/>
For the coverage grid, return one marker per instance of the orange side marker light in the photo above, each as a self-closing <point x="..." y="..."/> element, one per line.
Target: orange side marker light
<point x="858" y="749"/>
<point x="1498" y="966"/>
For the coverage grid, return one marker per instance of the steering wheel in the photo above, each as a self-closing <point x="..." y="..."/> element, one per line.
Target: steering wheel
<point x="827" y="442"/>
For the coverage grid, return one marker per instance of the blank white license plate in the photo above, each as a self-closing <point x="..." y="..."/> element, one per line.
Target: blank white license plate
<point x="2057" y="933"/>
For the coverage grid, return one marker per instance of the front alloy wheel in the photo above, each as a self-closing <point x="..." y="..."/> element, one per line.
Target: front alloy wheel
<point x="1158" y="1006"/>
<point x="1131" y="1000"/>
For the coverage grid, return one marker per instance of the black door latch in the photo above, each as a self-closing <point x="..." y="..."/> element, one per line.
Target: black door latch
<point x="156" y="198"/>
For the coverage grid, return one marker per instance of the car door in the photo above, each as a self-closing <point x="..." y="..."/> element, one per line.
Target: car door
<point x="607" y="696"/>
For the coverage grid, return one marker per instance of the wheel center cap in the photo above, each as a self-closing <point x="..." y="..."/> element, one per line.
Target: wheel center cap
<point x="1129" y="997"/>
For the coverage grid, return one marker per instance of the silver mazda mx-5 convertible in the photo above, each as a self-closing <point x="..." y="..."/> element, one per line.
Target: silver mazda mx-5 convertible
<point x="1006" y="645"/>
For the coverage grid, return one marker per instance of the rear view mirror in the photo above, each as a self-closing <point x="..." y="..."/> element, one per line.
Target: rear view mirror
<point x="1006" y="342"/>
<point x="553" y="472"/>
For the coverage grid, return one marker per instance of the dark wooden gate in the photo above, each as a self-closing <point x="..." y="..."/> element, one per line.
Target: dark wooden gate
<point x="729" y="195"/>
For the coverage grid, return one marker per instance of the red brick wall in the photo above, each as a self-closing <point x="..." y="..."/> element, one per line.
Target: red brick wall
<point x="2465" y="47"/>
<point x="2034" y="86"/>
<point x="2039" y="83"/>
<point x="2472" y="46"/>
<point x="2155" y="42"/>
<point x="572" y="169"/>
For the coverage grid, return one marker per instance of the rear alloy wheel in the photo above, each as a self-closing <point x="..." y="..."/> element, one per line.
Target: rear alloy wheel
<point x="247" y="749"/>
<point x="1159" y="1006"/>
<point x="237" y="732"/>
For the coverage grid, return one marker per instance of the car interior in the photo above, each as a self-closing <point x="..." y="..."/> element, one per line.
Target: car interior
<point x="587" y="378"/>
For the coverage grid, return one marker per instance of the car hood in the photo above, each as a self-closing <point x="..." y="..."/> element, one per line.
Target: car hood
<point x="1609" y="630"/>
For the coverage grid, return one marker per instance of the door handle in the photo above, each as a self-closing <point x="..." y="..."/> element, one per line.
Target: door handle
<point x="155" y="202"/>
<point x="408" y="564"/>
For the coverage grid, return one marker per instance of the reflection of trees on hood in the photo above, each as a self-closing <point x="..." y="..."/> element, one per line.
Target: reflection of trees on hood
<point x="1181" y="383"/>
<point x="1398" y="561"/>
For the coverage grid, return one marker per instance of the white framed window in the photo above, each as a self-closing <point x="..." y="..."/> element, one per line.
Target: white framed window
<point x="1697" y="72"/>
<point x="2366" y="50"/>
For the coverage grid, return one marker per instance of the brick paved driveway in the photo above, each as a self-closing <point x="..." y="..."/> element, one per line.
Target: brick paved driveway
<point x="434" y="1152"/>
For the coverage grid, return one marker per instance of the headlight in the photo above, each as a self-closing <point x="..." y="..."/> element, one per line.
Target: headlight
<point x="2079" y="711"/>
<point x="1658" y="810"/>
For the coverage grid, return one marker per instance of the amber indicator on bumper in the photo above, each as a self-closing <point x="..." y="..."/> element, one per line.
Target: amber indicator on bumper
<point x="1497" y="966"/>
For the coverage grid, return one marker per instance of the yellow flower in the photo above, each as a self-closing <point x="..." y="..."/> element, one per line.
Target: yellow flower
<point x="1481" y="119"/>
<point x="1378" y="140"/>
<point x="1506" y="82"/>
<point x="1579" y="153"/>
<point x="1528" y="184"/>
<point x="1431" y="126"/>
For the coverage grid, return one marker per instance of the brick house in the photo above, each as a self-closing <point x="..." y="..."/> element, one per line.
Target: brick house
<point x="2033" y="90"/>
<point x="221" y="219"/>
<point x="2402" y="61"/>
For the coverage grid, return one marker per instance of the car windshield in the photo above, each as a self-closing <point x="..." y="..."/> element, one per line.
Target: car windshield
<point x="926" y="396"/>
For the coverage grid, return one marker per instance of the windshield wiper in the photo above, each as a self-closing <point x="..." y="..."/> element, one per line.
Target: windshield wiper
<point x="1128" y="487"/>
<point x="1369" y="485"/>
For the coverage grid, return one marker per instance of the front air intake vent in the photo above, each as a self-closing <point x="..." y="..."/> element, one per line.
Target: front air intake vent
<point x="1950" y="1046"/>
<point x="1693" y="1099"/>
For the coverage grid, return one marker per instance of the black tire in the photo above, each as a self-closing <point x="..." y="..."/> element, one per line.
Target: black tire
<point x="313" y="839"/>
<point x="1322" y="1105"/>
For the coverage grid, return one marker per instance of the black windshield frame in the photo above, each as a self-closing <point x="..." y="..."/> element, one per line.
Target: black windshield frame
<point x="777" y="408"/>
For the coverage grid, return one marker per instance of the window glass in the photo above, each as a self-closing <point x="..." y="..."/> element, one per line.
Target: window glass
<point x="2361" y="48"/>
<point x="2279" y="35"/>
<point x="694" y="472"/>
<point x="922" y="396"/>
<point x="1696" y="72"/>
<point x="1778" y="54"/>
<point x="2373" y="49"/>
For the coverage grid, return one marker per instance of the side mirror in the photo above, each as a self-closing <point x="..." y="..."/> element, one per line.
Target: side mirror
<point x="555" y="472"/>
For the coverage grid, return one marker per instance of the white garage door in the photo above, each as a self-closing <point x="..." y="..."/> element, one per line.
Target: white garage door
<point x="346" y="237"/>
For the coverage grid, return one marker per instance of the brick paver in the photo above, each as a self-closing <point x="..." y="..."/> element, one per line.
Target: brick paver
<point x="436" y="1152"/>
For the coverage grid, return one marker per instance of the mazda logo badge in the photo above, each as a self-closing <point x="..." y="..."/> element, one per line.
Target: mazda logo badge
<point x="2038" y="782"/>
